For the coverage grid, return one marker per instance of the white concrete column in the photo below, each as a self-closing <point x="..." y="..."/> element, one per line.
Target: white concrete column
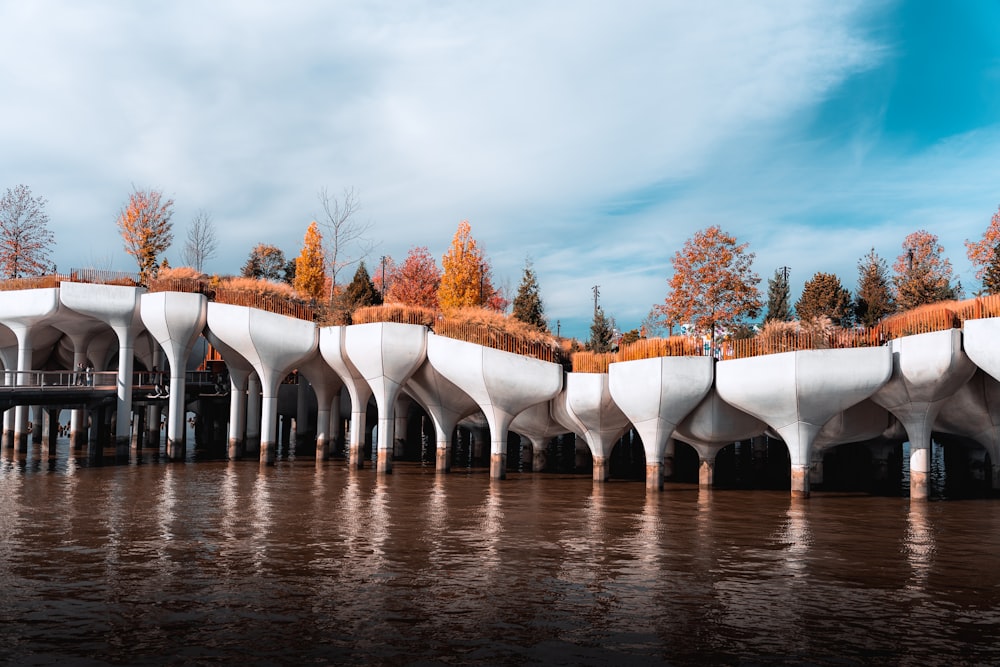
<point x="237" y="413"/>
<point x="253" y="414"/>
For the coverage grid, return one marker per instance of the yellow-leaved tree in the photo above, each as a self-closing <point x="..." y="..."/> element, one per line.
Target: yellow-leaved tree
<point x="310" y="265"/>
<point x="465" y="281"/>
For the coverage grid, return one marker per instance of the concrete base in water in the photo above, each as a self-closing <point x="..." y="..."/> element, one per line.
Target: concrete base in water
<point x="442" y="460"/>
<point x="800" y="482"/>
<point x="355" y="459"/>
<point x="601" y="469"/>
<point x="268" y="452"/>
<point x="235" y="449"/>
<point x="706" y="473"/>
<point x="175" y="450"/>
<point x="918" y="485"/>
<point x="383" y="465"/>
<point x="539" y="459"/>
<point x="498" y="466"/>
<point x="654" y="477"/>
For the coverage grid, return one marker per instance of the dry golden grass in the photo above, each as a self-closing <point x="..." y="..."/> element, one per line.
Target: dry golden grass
<point x="923" y="319"/>
<point x="649" y="348"/>
<point x="592" y="362"/>
<point x="260" y="287"/>
<point x="394" y="312"/>
<point x="181" y="273"/>
<point x="492" y="329"/>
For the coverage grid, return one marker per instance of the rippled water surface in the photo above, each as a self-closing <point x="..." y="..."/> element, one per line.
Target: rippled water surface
<point x="216" y="562"/>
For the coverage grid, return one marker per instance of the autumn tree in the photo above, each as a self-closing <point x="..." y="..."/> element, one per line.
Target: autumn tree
<point x="145" y="225"/>
<point x="713" y="283"/>
<point x="528" y="301"/>
<point x="873" y="299"/>
<point x="982" y="253"/>
<point x="343" y="232"/>
<point x="201" y="243"/>
<point x="466" y="280"/>
<point x="922" y="275"/>
<point x="361" y="291"/>
<point x="824" y="296"/>
<point x="779" y="299"/>
<point x="310" y="265"/>
<point x="416" y="281"/>
<point x="602" y="332"/>
<point x="266" y="262"/>
<point x="25" y="239"/>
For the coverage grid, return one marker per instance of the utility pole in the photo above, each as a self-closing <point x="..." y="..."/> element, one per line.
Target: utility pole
<point x="784" y="273"/>
<point x="597" y="293"/>
<point x="383" y="278"/>
<point x="558" y="328"/>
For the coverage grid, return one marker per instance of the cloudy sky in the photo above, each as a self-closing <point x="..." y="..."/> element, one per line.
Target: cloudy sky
<point x="592" y="137"/>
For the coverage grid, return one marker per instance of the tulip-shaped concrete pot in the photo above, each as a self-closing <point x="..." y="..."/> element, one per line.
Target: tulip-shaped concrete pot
<point x="325" y="384"/>
<point x="240" y="371"/>
<point x="973" y="411"/>
<point x="385" y="354"/>
<point x="23" y="311"/>
<point x="586" y="398"/>
<point x="331" y="346"/>
<point x="445" y="403"/>
<point x="656" y="395"/>
<point x="926" y="370"/>
<point x="118" y="307"/>
<point x="796" y="393"/>
<point x="712" y="425"/>
<point x="175" y="320"/>
<point x="501" y="383"/>
<point x="273" y="344"/>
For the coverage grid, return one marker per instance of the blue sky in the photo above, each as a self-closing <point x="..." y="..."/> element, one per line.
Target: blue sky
<point x="593" y="137"/>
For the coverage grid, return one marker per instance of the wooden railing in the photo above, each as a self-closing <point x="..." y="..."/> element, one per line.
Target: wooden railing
<point x="104" y="277"/>
<point x="498" y="340"/>
<point x="920" y="320"/>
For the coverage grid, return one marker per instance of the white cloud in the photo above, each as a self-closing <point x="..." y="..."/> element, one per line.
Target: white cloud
<point x="594" y="137"/>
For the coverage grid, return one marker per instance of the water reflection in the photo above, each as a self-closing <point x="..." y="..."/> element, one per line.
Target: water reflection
<point x="261" y="520"/>
<point x="796" y="537"/>
<point x="919" y="546"/>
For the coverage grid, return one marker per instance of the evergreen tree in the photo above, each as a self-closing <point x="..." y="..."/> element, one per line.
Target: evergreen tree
<point x="310" y="265"/>
<point x="528" y="302"/>
<point x="266" y="262"/>
<point x="823" y="295"/>
<point x="991" y="273"/>
<point x="361" y="292"/>
<point x="602" y="332"/>
<point x="778" y="298"/>
<point x="873" y="300"/>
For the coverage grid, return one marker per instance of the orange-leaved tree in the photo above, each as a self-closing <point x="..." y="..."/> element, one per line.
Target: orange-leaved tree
<point x="713" y="283"/>
<point x="310" y="265"/>
<point x="922" y="275"/>
<point x="983" y="253"/>
<point x="416" y="281"/>
<point x="145" y="225"/>
<point x="466" y="278"/>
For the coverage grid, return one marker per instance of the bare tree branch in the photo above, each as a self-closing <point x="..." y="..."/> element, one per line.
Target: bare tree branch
<point x="201" y="244"/>
<point x="342" y="231"/>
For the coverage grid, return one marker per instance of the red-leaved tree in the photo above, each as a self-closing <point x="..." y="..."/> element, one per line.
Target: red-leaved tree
<point x="415" y="282"/>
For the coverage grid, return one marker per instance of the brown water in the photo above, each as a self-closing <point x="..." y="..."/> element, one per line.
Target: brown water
<point x="215" y="562"/>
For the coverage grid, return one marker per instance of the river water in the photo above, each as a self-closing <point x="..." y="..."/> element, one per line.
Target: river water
<point x="212" y="562"/>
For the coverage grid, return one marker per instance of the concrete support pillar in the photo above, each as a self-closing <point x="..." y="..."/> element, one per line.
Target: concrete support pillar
<point x="880" y="461"/>
<point x="237" y="414"/>
<point x="800" y="481"/>
<point x="8" y="428"/>
<point x="124" y="408"/>
<point x="138" y="428"/>
<point x="442" y="462"/>
<point x="706" y="473"/>
<point x="356" y="445"/>
<point x="995" y="483"/>
<point x="399" y="429"/>
<point x="253" y="429"/>
<point x="384" y="442"/>
<point x="24" y="354"/>
<point x="50" y="432"/>
<point x="920" y="469"/>
<point x="153" y="417"/>
<point x="268" y="428"/>
<point x="654" y="476"/>
<point x="601" y="469"/>
<point x="176" y="415"/>
<point x="498" y="465"/>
